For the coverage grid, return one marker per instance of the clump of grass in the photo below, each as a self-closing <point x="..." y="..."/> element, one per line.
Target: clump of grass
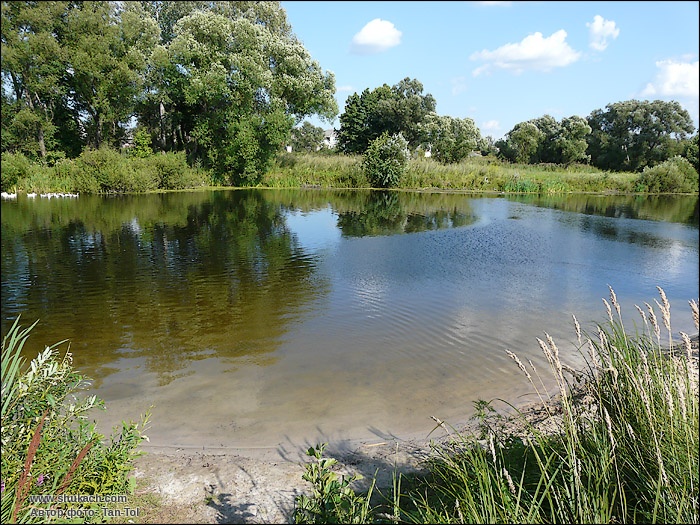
<point x="49" y="447"/>
<point x="619" y="443"/>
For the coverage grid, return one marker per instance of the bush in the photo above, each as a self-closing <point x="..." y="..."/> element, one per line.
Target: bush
<point x="676" y="175"/>
<point x="14" y="166"/>
<point x="172" y="171"/>
<point x="386" y="160"/>
<point x="48" y="445"/>
<point x="107" y="171"/>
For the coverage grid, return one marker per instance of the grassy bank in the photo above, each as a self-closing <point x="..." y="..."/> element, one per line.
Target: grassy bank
<point x="619" y="444"/>
<point x="472" y="174"/>
<point x="107" y="171"/>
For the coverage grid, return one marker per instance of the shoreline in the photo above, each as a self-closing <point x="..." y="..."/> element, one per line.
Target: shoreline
<point x="260" y="484"/>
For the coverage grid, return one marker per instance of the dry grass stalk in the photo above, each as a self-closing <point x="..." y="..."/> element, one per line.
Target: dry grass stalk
<point x="608" y="309"/>
<point x="654" y="323"/>
<point x="578" y="328"/>
<point x="76" y="462"/>
<point x="23" y="484"/>
<point x="696" y="315"/>
<point x="613" y="299"/>
<point x="608" y="423"/>
<point x="644" y="316"/>
<point x="511" y="485"/>
<point x="519" y="363"/>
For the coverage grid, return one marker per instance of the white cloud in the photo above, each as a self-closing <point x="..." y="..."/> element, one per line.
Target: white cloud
<point x="599" y="31"/>
<point x="501" y="4"/>
<point x="678" y="81"/>
<point x="674" y="79"/>
<point x="533" y="53"/>
<point x="340" y="89"/>
<point x="490" y="125"/>
<point x="377" y="36"/>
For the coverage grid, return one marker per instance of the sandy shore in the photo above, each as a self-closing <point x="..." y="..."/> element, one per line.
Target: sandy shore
<point x="259" y="485"/>
<point x="256" y="485"/>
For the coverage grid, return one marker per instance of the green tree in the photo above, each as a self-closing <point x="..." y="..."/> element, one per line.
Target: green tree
<point x="106" y="53"/>
<point x="307" y="137"/>
<point x="32" y="67"/>
<point x="548" y="148"/>
<point x="689" y="151"/>
<point x="520" y="144"/>
<point x="398" y="109"/>
<point x="385" y="160"/>
<point x="633" y="134"/>
<point x="571" y="142"/>
<point x="450" y="139"/>
<point x="237" y="86"/>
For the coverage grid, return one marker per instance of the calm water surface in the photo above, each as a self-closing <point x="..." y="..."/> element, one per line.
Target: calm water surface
<point x="257" y="317"/>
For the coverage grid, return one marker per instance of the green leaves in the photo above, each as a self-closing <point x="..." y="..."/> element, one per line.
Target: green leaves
<point x="333" y="501"/>
<point x="386" y="160"/>
<point x="398" y="109"/>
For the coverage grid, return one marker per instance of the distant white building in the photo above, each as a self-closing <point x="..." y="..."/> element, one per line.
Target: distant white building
<point x="330" y="138"/>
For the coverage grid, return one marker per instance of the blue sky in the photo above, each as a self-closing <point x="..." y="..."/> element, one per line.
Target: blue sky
<point x="501" y="63"/>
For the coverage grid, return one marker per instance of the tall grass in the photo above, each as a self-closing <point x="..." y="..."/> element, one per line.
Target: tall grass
<point x="485" y="174"/>
<point x="619" y="443"/>
<point x="49" y="447"/>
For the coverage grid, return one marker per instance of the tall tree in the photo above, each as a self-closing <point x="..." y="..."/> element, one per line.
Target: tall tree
<point x="106" y="56"/>
<point x="520" y="144"/>
<point x="450" y="139"/>
<point x="571" y="142"/>
<point x="32" y="67"/>
<point x="397" y="109"/>
<point x="241" y="87"/>
<point x="633" y="134"/>
<point x="307" y="137"/>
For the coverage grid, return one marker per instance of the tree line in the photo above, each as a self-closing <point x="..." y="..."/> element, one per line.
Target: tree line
<point x="228" y="84"/>
<point x="223" y="81"/>
<point x="625" y="136"/>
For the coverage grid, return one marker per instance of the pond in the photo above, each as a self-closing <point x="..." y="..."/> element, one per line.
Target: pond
<point x="255" y="318"/>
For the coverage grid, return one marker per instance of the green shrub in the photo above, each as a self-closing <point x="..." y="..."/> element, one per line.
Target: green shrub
<point x="386" y="160"/>
<point x="676" y="175"/>
<point x="48" y="446"/>
<point x="142" y="145"/>
<point x="172" y="171"/>
<point x="14" y="166"/>
<point x="332" y="501"/>
<point x="107" y="171"/>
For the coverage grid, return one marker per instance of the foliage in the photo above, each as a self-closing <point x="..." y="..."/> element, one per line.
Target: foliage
<point x="397" y="109"/>
<point x="544" y="140"/>
<point x="675" y="175"/>
<point x="690" y="151"/>
<point x="237" y="85"/>
<point x="48" y="445"/>
<point x="32" y="65"/>
<point x="142" y="144"/>
<point x="521" y="143"/>
<point x="223" y="81"/>
<point x="332" y="501"/>
<point x="449" y="139"/>
<point x="14" y="167"/>
<point x="307" y="137"/>
<point x="633" y="134"/>
<point x="385" y="160"/>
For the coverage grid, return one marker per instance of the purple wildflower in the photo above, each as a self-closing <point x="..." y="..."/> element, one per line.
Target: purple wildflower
<point x="40" y="480"/>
